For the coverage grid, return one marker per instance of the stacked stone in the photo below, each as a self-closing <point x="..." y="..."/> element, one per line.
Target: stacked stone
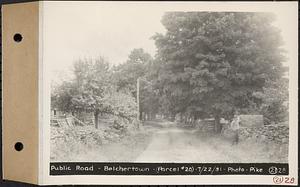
<point x="271" y="133"/>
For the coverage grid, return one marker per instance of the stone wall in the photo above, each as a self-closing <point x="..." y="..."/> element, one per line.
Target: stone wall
<point x="270" y="133"/>
<point x="251" y="121"/>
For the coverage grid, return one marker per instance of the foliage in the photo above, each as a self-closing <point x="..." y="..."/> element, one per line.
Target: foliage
<point x="274" y="102"/>
<point x="125" y="75"/>
<point x="61" y="97"/>
<point x="149" y="100"/>
<point x="92" y="83"/>
<point x="91" y="91"/>
<point x="123" y="106"/>
<point x="211" y="63"/>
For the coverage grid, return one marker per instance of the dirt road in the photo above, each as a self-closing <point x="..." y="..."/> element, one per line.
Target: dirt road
<point x="178" y="145"/>
<point x="173" y="144"/>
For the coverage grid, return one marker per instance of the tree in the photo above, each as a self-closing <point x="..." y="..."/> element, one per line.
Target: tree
<point x="122" y="106"/>
<point x="92" y="78"/>
<point x="149" y="102"/>
<point x="61" y="97"/>
<point x="91" y="91"/>
<point x="126" y="74"/>
<point x="211" y="63"/>
<point x="273" y="102"/>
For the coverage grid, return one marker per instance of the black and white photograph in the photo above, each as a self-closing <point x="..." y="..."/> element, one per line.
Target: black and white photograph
<point x="155" y="84"/>
<point x="150" y="92"/>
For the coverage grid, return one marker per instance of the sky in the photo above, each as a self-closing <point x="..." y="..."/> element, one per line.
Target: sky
<point x="74" y="30"/>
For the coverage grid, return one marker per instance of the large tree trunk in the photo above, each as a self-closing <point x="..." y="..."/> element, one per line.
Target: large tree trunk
<point x="218" y="125"/>
<point x="96" y="114"/>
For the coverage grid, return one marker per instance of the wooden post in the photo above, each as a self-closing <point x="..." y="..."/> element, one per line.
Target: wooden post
<point x="138" y="100"/>
<point x="96" y="115"/>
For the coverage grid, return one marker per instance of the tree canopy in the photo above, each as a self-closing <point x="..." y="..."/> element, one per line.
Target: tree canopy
<point x="91" y="90"/>
<point x="126" y="74"/>
<point x="211" y="63"/>
<point x="207" y="65"/>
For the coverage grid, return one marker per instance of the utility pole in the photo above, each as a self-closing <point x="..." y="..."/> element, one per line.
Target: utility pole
<point x="138" y="98"/>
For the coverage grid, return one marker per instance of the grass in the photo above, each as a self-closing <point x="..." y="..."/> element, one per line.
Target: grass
<point x="251" y="151"/>
<point x="98" y="145"/>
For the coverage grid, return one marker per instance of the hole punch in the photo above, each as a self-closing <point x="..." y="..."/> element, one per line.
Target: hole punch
<point x="18" y="37"/>
<point x="19" y="146"/>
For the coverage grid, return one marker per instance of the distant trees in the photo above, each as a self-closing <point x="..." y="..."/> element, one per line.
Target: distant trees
<point x="211" y="63"/>
<point x="126" y="74"/>
<point x="148" y="99"/>
<point x="61" y="97"/>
